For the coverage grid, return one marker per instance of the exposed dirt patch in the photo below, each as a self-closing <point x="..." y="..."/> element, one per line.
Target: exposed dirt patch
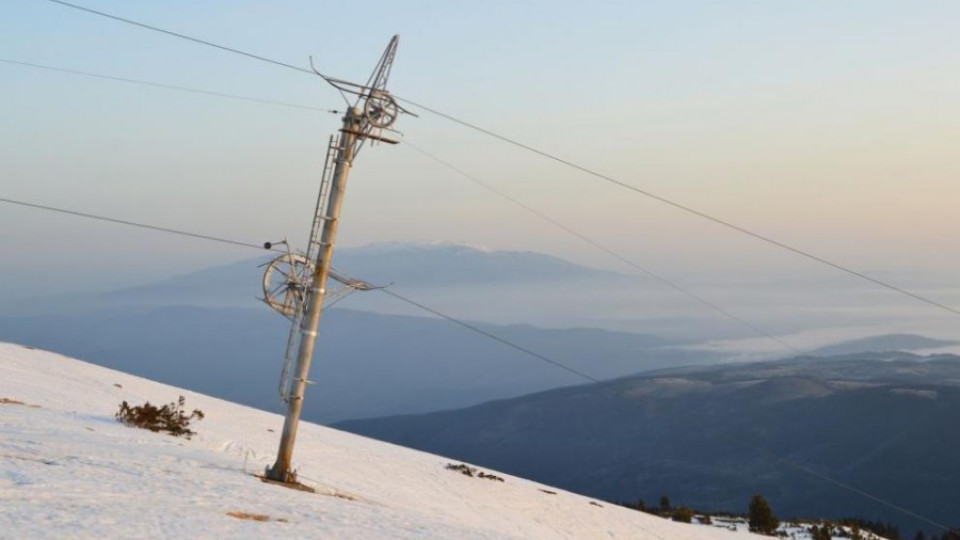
<point x="297" y="486"/>
<point x="8" y="401"/>
<point x="253" y="517"/>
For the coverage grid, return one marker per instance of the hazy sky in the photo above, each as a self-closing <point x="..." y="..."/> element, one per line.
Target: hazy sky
<point x="828" y="125"/>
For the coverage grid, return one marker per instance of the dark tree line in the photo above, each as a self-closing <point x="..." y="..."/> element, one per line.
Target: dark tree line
<point x="761" y="519"/>
<point x="949" y="535"/>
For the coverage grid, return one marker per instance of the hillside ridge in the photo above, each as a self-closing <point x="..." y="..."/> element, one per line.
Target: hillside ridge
<point x="70" y="469"/>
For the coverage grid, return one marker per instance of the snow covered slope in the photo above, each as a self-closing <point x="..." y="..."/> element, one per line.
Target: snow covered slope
<point x="69" y="470"/>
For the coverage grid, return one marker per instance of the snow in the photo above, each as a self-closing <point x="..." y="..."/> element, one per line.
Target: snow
<point x="789" y="530"/>
<point x="69" y="470"/>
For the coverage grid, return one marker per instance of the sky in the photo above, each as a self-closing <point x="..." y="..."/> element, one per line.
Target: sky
<point x="827" y="125"/>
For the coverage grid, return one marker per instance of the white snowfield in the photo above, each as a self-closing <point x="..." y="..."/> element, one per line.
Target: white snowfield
<point x="68" y="469"/>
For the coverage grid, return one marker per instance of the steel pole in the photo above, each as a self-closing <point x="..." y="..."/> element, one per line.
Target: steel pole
<point x="352" y="124"/>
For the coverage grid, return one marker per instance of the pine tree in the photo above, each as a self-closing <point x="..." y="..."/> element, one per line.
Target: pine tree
<point x="821" y="532"/>
<point x="761" y="517"/>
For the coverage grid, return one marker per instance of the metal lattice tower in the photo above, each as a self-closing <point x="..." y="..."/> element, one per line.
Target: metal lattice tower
<point x="295" y="283"/>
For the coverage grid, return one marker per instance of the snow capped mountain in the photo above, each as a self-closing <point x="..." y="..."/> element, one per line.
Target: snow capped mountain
<point x="68" y="469"/>
<point x="422" y="245"/>
<point x="447" y="264"/>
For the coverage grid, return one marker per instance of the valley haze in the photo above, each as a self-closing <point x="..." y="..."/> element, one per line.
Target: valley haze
<point x="208" y="332"/>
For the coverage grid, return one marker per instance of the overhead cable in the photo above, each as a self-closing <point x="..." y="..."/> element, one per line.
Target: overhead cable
<point x="481" y="331"/>
<point x="166" y="86"/>
<point x="719" y="309"/>
<point x="605" y="249"/>
<point x="260" y="247"/>
<point x="157" y="228"/>
<point x="683" y="207"/>
<point x="181" y="36"/>
<point x="547" y="155"/>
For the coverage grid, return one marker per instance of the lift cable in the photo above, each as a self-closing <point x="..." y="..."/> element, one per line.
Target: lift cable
<point x="646" y="193"/>
<point x="712" y="305"/>
<point x="605" y="249"/>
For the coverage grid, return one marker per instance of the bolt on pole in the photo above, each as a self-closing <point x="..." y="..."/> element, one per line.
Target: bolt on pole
<point x="352" y="121"/>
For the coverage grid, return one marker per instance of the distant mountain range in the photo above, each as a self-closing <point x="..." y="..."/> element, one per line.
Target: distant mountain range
<point x="710" y="436"/>
<point x="401" y="264"/>
<point x="366" y="364"/>
<point x="497" y="286"/>
<point x="441" y="264"/>
<point x="206" y="331"/>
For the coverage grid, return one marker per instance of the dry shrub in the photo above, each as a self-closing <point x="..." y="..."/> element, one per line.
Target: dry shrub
<point x="464" y="469"/>
<point x="683" y="515"/>
<point x="467" y="470"/>
<point x="170" y="418"/>
<point x="489" y="476"/>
